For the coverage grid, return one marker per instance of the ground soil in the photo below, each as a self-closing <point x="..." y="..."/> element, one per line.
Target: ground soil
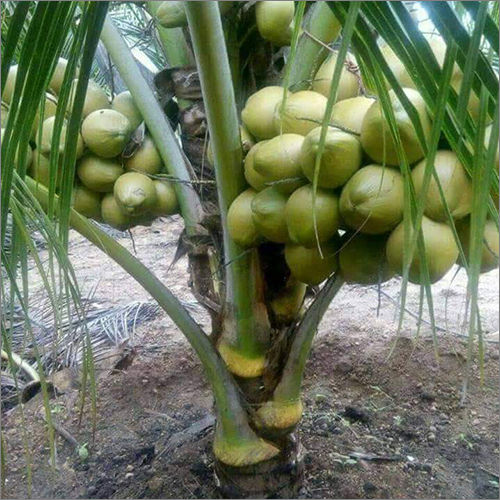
<point x="382" y="418"/>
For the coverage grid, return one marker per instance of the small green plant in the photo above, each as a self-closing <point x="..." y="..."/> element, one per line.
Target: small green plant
<point x="83" y="452"/>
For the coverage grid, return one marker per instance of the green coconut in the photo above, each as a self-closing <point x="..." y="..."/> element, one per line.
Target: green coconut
<point x="240" y="222"/>
<point x="146" y="158"/>
<point x="166" y="199"/>
<point x="487" y="140"/>
<point x="362" y="259"/>
<point x="349" y="113"/>
<point x="50" y="109"/>
<point x="124" y="104"/>
<point x="10" y="84"/>
<point x="40" y="169"/>
<point x="135" y="193"/>
<point x="87" y="202"/>
<point x="341" y="157"/>
<point x="95" y="98"/>
<point x="274" y="21"/>
<point x="106" y="132"/>
<point x="28" y="158"/>
<point x="171" y="14"/>
<point x="372" y="200"/>
<point x="299" y="215"/>
<point x="438" y="47"/>
<point x="375" y="134"/>
<point x="256" y="180"/>
<point x="113" y="215"/>
<point x="441" y="250"/>
<point x="268" y="209"/>
<point x="349" y="82"/>
<point x="303" y="111"/>
<point x="57" y="79"/>
<point x="489" y="256"/>
<point x="278" y="161"/>
<point x="46" y="142"/>
<point x="286" y="304"/>
<point x="455" y="183"/>
<point x="308" y="265"/>
<point x="98" y="174"/>
<point x="258" y="113"/>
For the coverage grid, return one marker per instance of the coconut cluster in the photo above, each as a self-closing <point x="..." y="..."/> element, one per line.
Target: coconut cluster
<point x="353" y="221"/>
<point x="117" y="189"/>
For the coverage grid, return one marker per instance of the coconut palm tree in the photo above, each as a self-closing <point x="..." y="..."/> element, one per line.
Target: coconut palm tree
<point x="216" y="57"/>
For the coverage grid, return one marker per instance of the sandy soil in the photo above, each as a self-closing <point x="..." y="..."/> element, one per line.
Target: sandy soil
<point x="360" y="402"/>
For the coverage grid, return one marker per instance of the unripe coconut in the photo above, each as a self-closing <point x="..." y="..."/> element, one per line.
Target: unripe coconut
<point x="113" y="215"/>
<point x="28" y="158"/>
<point x="58" y="76"/>
<point x="307" y="265"/>
<point x="372" y="200"/>
<point x="362" y="259"/>
<point x="10" y="84"/>
<point x="375" y="132"/>
<point x="135" y="193"/>
<point x="46" y="142"/>
<point x="124" y="104"/>
<point x="171" y="14"/>
<point x="98" y="174"/>
<point x="278" y="161"/>
<point x="341" y="157"/>
<point x="349" y="113"/>
<point x="50" y="109"/>
<point x="489" y="256"/>
<point x="268" y="209"/>
<point x="256" y="180"/>
<point x="299" y="215"/>
<point x="441" y="251"/>
<point x="166" y="199"/>
<point x="258" y="113"/>
<point x="349" y="78"/>
<point x="106" y="132"/>
<point x="286" y="304"/>
<point x="455" y="183"/>
<point x="87" y="202"/>
<point x="40" y="169"/>
<point x="303" y="112"/>
<point x="274" y="21"/>
<point x="240" y="222"/>
<point x="145" y="159"/>
<point x="95" y="98"/>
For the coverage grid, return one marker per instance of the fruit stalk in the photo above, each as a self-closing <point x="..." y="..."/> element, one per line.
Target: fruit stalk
<point x="245" y="324"/>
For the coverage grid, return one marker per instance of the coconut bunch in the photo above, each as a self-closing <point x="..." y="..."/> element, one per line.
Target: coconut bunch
<point x="353" y="221"/>
<point x="119" y="190"/>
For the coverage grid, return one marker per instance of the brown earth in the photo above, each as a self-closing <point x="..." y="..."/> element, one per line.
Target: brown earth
<point x="375" y="425"/>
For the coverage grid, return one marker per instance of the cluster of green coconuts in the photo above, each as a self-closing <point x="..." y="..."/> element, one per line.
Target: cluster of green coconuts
<point x="119" y="191"/>
<point x="360" y="186"/>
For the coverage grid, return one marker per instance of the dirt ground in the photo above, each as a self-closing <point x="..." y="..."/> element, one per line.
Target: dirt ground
<point x="375" y="425"/>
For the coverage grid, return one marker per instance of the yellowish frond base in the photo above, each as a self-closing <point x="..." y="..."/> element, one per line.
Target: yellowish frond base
<point x="240" y="365"/>
<point x="244" y="453"/>
<point x="279" y="415"/>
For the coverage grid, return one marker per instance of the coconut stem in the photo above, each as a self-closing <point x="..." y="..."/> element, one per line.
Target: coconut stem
<point x="246" y="317"/>
<point x="323" y="26"/>
<point x="288" y="389"/>
<point x="233" y="424"/>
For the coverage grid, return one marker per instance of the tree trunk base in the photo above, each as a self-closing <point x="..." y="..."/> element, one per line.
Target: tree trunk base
<point x="280" y="477"/>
